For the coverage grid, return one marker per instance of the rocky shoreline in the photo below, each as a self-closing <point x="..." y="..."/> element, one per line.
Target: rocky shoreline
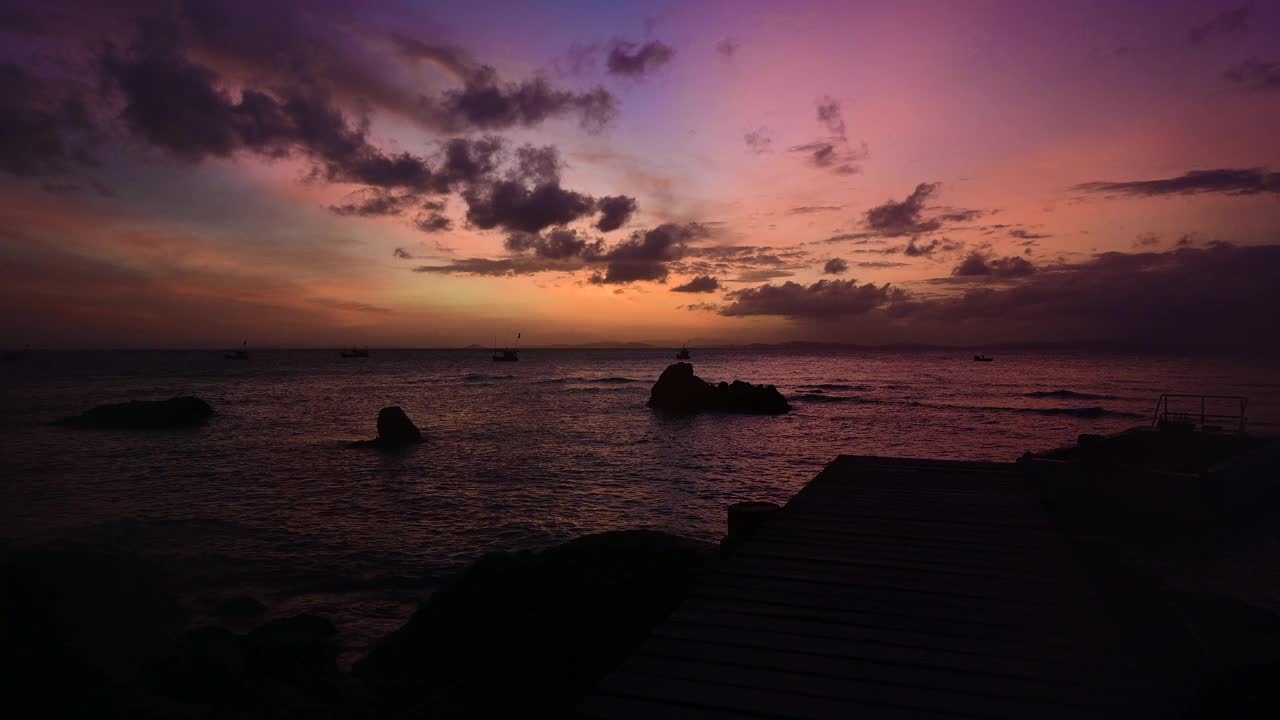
<point x="516" y="634"/>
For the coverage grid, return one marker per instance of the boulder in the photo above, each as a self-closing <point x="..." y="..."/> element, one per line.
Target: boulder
<point x="527" y="634"/>
<point x="678" y="390"/>
<point x="395" y="430"/>
<point x="178" y="412"/>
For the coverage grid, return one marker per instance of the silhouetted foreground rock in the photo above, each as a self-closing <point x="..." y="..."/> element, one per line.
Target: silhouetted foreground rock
<point x="527" y="634"/>
<point x="678" y="390"/>
<point x="395" y="429"/>
<point x="89" y="634"/>
<point x="143" y="415"/>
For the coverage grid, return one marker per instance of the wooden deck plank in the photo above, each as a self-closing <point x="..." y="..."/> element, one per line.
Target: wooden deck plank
<point x="892" y="588"/>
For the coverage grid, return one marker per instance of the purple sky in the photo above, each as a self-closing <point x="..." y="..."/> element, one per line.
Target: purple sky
<point x="190" y="173"/>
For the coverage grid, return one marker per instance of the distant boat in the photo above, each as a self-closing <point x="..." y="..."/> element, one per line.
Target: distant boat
<point x="355" y="352"/>
<point x="241" y="354"/>
<point x="982" y="358"/>
<point x="683" y="354"/>
<point x="511" y="354"/>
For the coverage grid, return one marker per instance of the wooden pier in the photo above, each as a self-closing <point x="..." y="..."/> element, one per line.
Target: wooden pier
<point x="893" y="588"/>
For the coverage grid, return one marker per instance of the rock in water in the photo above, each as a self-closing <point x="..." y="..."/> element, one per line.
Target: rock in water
<point x="395" y="430"/>
<point x="176" y="412"/>
<point x="678" y="390"/>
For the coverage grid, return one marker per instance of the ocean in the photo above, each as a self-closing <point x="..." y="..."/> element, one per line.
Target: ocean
<point x="269" y="500"/>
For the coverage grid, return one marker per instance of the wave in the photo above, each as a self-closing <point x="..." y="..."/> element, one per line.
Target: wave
<point x="1065" y="394"/>
<point x="578" y="379"/>
<point x="831" y="386"/>
<point x="472" y="377"/>
<point x="822" y="398"/>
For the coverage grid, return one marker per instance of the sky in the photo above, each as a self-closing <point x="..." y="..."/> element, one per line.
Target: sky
<point x="194" y="173"/>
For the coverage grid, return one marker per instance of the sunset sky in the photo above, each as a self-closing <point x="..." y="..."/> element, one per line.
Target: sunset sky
<point x="193" y="173"/>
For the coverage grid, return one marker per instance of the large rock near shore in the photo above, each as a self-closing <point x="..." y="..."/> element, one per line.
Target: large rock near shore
<point x="178" y="412"/>
<point x="527" y="634"/>
<point x="678" y="390"/>
<point x="395" y="430"/>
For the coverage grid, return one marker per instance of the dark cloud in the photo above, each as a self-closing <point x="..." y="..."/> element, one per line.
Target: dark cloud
<point x="1221" y="295"/>
<point x="830" y="116"/>
<point x="880" y="264"/>
<point x="1249" y="181"/>
<point x="373" y="202"/>
<point x="1147" y="239"/>
<point x="915" y="249"/>
<point x="638" y="60"/>
<point x="810" y="209"/>
<point x="893" y="219"/>
<point x="644" y="256"/>
<point x="1255" y="74"/>
<point x="758" y="141"/>
<point x="1227" y="22"/>
<point x="511" y="205"/>
<point x="700" y="284"/>
<point x="761" y="275"/>
<point x="42" y="132"/>
<point x="486" y="103"/>
<point x="727" y="47"/>
<point x="559" y="244"/>
<point x="977" y="264"/>
<point x="453" y="59"/>
<point x="837" y="157"/>
<point x="615" y="211"/>
<point x="1027" y="235"/>
<point x="402" y="254"/>
<point x="432" y="222"/>
<point x="822" y="299"/>
<point x="836" y="266"/>
<point x="502" y="267"/>
<point x="961" y="215"/>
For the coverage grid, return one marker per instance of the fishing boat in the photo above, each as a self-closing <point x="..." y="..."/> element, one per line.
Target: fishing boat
<point x="355" y="352"/>
<point x="241" y="354"/>
<point x="510" y="354"/>
<point x="683" y="354"/>
<point x="982" y="358"/>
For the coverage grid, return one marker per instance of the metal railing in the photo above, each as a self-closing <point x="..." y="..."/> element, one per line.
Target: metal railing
<point x="1202" y="412"/>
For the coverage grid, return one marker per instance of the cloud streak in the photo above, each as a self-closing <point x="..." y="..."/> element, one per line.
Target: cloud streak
<point x="1250" y="181"/>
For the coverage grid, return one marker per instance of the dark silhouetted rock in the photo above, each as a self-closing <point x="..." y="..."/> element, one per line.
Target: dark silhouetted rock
<point x="208" y="665"/>
<point x="237" y="606"/>
<point x="678" y="390"/>
<point x="176" y="412"/>
<point x="395" y="430"/>
<point x="527" y="634"/>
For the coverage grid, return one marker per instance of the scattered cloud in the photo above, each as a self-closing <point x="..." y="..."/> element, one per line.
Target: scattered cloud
<point x="1254" y="74"/>
<point x="758" y="141"/>
<point x="432" y="222"/>
<point x="836" y="266"/>
<point x="1250" y="181"/>
<point x="1227" y="22"/>
<point x="700" y="284"/>
<point x="894" y="218"/>
<point x="981" y="265"/>
<point x="811" y="209"/>
<point x="615" y="211"/>
<point x="822" y="299"/>
<point x="636" y="61"/>
<point x="1027" y="235"/>
<point x="833" y="152"/>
